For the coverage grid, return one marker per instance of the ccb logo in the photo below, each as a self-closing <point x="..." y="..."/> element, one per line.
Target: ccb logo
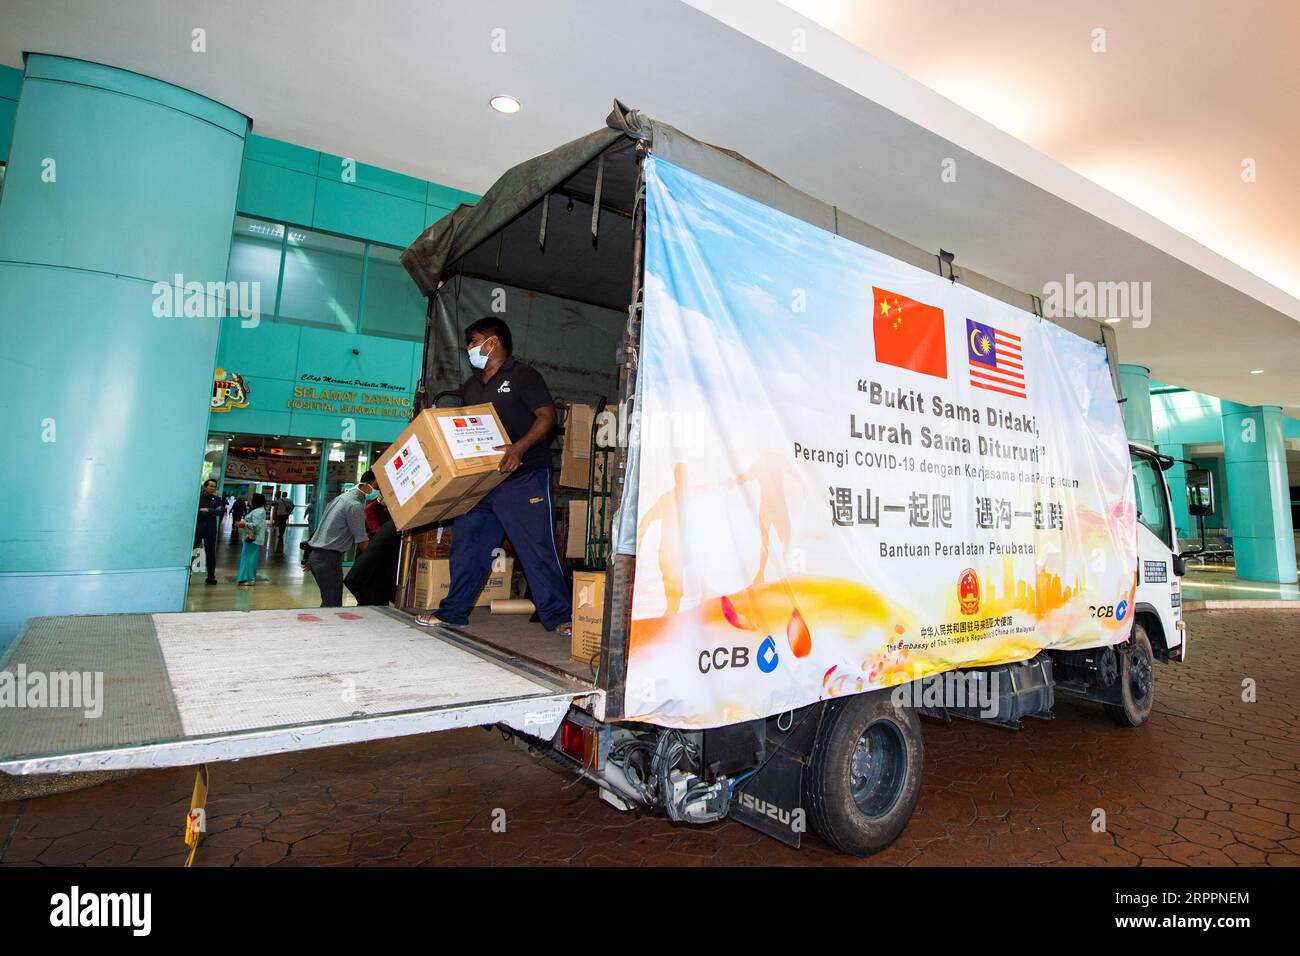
<point x="968" y="592"/>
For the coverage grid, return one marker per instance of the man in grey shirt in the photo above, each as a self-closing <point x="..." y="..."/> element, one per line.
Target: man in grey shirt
<point x="342" y="525"/>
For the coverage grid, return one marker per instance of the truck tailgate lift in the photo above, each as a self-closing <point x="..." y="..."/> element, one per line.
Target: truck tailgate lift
<point x="187" y="689"/>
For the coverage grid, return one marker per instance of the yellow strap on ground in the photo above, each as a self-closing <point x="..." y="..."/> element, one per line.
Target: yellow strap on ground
<point x="196" y="822"/>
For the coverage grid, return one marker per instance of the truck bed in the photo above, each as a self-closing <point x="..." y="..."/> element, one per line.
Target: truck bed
<point x="514" y="634"/>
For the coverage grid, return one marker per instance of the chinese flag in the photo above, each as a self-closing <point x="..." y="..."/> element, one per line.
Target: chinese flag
<point x="909" y="334"/>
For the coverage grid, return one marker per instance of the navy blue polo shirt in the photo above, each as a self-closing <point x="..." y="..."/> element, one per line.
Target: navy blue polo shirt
<point x="515" y="391"/>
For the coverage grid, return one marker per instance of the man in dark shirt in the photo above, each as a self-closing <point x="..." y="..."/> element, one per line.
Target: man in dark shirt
<point x="281" y="511"/>
<point x="211" y="509"/>
<point x="519" y="507"/>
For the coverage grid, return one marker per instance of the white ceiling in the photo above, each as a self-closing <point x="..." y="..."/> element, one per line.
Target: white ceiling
<point x="1163" y="113"/>
<point x="404" y="84"/>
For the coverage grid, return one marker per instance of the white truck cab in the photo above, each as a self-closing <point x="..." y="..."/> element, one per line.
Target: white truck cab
<point x="1157" y="603"/>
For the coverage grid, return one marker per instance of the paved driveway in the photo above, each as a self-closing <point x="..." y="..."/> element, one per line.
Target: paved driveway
<point x="1210" y="780"/>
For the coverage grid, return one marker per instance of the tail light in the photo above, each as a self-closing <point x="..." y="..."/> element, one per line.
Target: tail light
<point x="578" y="742"/>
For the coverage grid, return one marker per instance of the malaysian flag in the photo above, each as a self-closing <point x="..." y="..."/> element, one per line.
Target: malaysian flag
<point x="996" y="363"/>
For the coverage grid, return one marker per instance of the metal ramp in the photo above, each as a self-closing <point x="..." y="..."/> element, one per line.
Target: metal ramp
<point x="187" y="689"/>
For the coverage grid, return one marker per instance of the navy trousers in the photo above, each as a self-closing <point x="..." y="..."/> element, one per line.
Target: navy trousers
<point x="521" y="509"/>
<point x="208" y="538"/>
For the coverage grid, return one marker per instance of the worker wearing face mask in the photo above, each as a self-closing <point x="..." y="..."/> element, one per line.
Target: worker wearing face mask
<point x="520" y="507"/>
<point x="342" y="526"/>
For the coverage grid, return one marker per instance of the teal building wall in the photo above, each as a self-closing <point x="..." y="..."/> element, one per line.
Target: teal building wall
<point x="346" y="319"/>
<point x="1254" y="506"/>
<point x="293" y="184"/>
<point x="277" y="361"/>
<point x="108" y="405"/>
<point x="116" y="183"/>
<point x="1254" y="456"/>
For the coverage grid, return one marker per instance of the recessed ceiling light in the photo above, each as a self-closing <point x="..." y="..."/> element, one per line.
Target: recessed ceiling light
<point x="1256" y="371"/>
<point x="505" y="104"/>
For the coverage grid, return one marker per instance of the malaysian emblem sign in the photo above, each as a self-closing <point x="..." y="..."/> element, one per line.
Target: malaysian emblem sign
<point x="229" y="390"/>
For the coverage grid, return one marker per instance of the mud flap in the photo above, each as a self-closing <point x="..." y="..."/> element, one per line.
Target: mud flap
<point x="769" y="801"/>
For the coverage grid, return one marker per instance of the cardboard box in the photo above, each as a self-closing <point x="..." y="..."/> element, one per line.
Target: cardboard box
<point x="432" y="542"/>
<point x="433" y="581"/>
<point x="575" y="460"/>
<point x="441" y="465"/>
<point x="588" y="614"/>
<point x="575" y="542"/>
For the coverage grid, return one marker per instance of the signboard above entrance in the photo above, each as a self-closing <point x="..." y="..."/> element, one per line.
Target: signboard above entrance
<point x="332" y="400"/>
<point x="312" y="382"/>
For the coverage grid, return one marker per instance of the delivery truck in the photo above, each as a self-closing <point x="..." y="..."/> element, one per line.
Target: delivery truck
<point x="850" y="483"/>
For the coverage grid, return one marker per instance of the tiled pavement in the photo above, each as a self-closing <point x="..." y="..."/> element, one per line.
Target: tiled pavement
<point x="1210" y="780"/>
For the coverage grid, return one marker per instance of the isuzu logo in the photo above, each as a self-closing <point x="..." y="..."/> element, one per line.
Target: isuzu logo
<point x="794" y="819"/>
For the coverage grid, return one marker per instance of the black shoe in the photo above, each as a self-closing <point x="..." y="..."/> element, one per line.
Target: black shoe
<point x="211" y="581"/>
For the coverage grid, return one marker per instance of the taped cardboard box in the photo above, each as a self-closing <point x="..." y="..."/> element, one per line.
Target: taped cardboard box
<point x="588" y="614"/>
<point x="433" y="581"/>
<point x="441" y="465"/>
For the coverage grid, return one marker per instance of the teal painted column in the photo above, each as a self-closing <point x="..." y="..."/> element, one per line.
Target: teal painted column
<point x="118" y="187"/>
<point x="1254" y="457"/>
<point x="1135" y="384"/>
<point x="1176" y="478"/>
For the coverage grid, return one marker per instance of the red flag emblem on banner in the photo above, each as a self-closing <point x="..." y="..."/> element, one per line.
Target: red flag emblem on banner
<point x="909" y="334"/>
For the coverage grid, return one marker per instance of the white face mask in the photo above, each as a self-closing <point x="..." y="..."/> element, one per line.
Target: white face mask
<point x="476" y="356"/>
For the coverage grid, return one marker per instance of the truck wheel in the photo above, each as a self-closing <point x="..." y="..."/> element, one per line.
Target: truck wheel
<point x="1137" y="683"/>
<point x="865" y="774"/>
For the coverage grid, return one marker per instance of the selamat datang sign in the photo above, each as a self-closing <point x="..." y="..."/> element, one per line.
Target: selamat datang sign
<point x="853" y="473"/>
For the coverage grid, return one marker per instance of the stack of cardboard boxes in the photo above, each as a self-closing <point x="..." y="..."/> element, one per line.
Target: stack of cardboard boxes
<point x="433" y="580"/>
<point x="576" y="472"/>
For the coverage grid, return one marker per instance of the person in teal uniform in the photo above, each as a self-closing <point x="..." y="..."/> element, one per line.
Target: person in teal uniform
<point x="254" y="536"/>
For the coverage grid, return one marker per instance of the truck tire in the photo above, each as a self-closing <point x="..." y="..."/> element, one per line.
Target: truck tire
<point x="1137" y="681"/>
<point x="865" y="775"/>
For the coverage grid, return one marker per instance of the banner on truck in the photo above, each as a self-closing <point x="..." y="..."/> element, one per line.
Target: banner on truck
<point x="854" y="473"/>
